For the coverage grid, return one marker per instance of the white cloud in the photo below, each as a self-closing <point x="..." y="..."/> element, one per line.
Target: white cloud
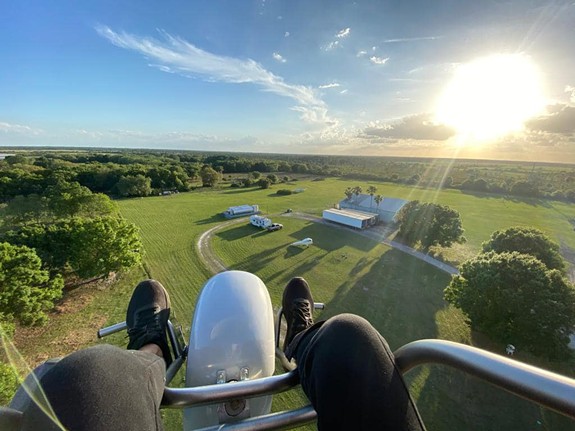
<point x="570" y="89"/>
<point x="411" y="39"/>
<point x="287" y="34"/>
<point x="176" y="55"/>
<point x="343" y="33"/>
<point x="331" y="85"/>
<point x="416" y="127"/>
<point x="19" y="129"/>
<point x="278" y="57"/>
<point x="361" y="54"/>
<point x="343" y="91"/>
<point x="331" y="45"/>
<point x="378" y="60"/>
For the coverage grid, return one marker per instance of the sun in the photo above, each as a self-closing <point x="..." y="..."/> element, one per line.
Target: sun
<point x="491" y="97"/>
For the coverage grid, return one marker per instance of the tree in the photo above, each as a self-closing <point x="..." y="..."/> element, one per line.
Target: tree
<point x="71" y="200"/>
<point x="357" y="190"/>
<point x="348" y="193"/>
<point x="378" y="200"/>
<point x="273" y="178"/>
<point x="26" y="290"/>
<point x="87" y="247"/>
<point x="525" y="188"/>
<point x="429" y="224"/>
<point x="22" y="209"/>
<point x="264" y="183"/>
<point x="256" y="175"/>
<point x="103" y="245"/>
<point x="514" y="298"/>
<point x="526" y="240"/>
<point x="371" y="190"/>
<point x="134" y="185"/>
<point x="210" y="177"/>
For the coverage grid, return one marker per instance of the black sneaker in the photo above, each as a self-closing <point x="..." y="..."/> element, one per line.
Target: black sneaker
<point x="147" y="317"/>
<point x="297" y="306"/>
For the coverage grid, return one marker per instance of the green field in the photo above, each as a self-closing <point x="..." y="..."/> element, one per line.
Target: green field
<point x="401" y="296"/>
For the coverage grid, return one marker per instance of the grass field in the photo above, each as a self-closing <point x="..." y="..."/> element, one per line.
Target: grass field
<point x="400" y="295"/>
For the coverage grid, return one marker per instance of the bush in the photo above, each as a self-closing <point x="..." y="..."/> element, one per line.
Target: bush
<point x="284" y="192"/>
<point x="8" y="383"/>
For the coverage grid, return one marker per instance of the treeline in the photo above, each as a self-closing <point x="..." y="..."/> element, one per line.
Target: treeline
<point x="143" y="173"/>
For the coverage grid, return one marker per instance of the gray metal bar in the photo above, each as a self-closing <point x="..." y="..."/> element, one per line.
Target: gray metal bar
<point x="203" y="395"/>
<point x="275" y="421"/>
<point x="109" y="330"/>
<point x="551" y="390"/>
<point x="174" y="368"/>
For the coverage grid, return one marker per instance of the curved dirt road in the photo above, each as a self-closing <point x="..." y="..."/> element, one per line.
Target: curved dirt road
<point x="210" y="259"/>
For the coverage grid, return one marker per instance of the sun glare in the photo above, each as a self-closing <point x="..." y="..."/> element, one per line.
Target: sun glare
<point x="491" y="97"/>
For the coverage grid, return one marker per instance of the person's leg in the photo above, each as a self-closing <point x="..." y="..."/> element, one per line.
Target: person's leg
<point x="346" y="368"/>
<point x="348" y="373"/>
<point x="105" y="387"/>
<point x="100" y="388"/>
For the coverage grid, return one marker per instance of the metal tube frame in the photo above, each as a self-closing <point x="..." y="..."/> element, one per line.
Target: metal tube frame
<point x="548" y="389"/>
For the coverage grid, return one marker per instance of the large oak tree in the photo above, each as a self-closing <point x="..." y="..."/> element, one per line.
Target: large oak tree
<point x="514" y="298"/>
<point x="429" y="224"/>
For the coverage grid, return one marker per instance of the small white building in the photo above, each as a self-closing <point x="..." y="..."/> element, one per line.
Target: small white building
<point x="260" y="221"/>
<point x="352" y="218"/>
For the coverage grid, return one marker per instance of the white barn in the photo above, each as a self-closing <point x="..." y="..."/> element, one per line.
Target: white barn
<point x="356" y="219"/>
<point x="387" y="208"/>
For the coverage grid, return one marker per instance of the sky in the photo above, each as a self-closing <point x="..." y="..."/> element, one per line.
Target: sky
<point x="443" y="78"/>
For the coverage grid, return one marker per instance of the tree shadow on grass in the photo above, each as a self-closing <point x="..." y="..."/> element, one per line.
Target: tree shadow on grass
<point x="399" y="295"/>
<point x="535" y="202"/>
<point x="240" y="191"/>
<point x="213" y="219"/>
<point x="238" y="232"/>
<point x="256" y="262"/>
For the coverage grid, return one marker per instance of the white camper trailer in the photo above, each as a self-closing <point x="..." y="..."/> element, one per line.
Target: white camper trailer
<point x="260" y="221"/>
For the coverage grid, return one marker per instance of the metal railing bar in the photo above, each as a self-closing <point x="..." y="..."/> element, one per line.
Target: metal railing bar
<point x="551" y="390"/>
<point x="203" y="395"/>
<point x="274" y="421"/>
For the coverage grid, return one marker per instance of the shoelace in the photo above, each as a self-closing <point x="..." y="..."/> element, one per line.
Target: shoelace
<point x="147" y="321"/>
<point x="302" y="316"/>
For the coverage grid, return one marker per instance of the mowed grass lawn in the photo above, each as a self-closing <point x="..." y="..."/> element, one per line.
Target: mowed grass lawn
<point x="401" y="296"/>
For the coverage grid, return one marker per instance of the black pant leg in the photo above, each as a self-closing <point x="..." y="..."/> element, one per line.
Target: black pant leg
<point x="101" y="388"/>
<point x="348" y="373"/>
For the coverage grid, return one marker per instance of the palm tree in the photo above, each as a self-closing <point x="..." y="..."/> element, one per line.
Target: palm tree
<point x="349" y="193"/>
<point x="357" y="190"/>
<point x="371" y="190"/>
<point x="378" y="200"/>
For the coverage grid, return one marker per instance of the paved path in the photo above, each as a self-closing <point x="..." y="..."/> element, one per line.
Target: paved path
<point x="215" y="265"/>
